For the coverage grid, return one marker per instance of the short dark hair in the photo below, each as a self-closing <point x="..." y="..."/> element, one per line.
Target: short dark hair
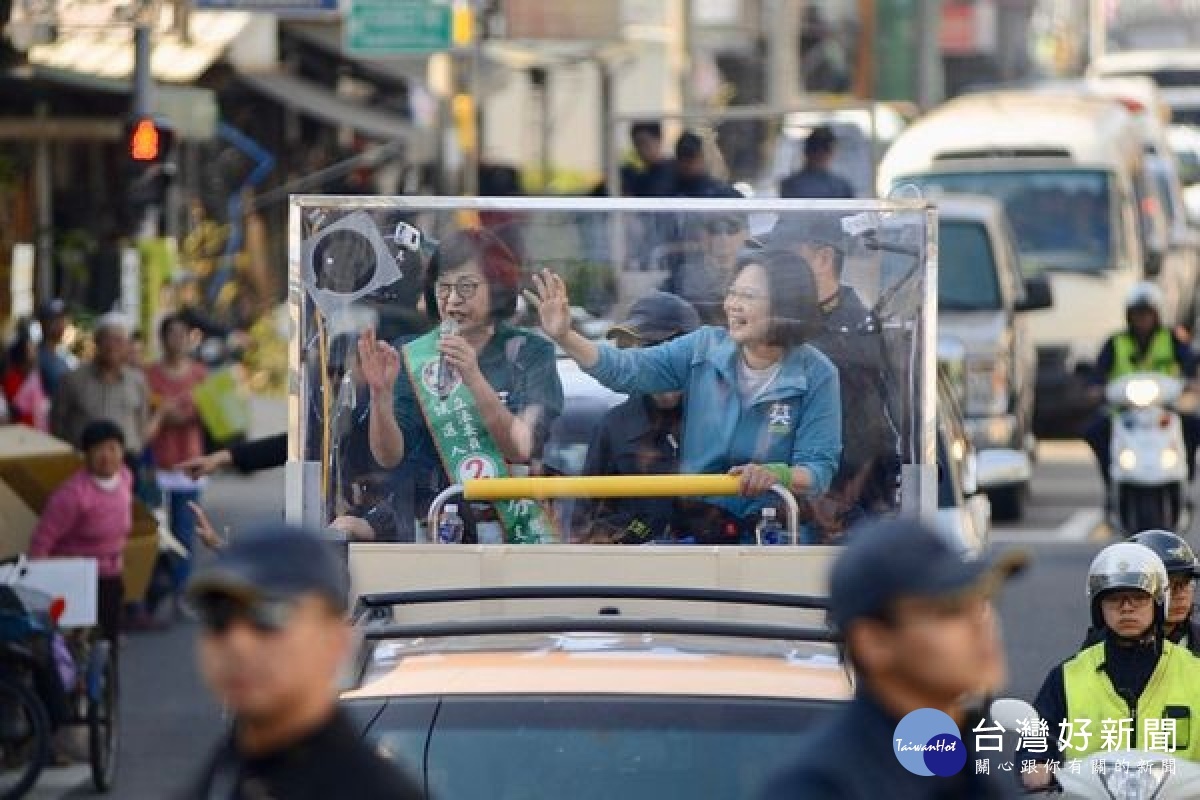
<point x="495" y="259"/>
<point x="820" y="141"/>
<point x="175" y="318"/>
<point x="647" y="127"/>
<point x="792" y="296"/>
<point x="688" y="146"/>
<point x="99" y="431"/>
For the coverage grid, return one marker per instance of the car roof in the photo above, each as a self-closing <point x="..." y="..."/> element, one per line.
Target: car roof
<point x="1083" y="128"/>
<point x="1138" y="61"/>
<point x="604" y="663"/>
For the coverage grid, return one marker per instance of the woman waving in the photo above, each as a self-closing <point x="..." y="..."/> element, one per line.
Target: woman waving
<point x="759" y="402"/>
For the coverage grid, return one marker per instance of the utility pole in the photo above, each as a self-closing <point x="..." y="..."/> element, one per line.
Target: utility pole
<point x="782" y="20"/>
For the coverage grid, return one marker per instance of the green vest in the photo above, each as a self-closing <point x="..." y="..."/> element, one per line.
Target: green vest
<point x="1173" y="691"/>
<point x="1159" y="356"/>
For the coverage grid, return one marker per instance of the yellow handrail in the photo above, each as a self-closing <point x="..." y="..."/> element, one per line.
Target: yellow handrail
<point x="596" y="486"/>
<point x="589" y="486"/>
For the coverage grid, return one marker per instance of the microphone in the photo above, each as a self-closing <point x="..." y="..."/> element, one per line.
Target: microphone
<point x="445" y="373"/>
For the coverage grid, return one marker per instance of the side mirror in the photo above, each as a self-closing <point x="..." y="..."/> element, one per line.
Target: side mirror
<point x="1011" y="713"/>
<point x="997" y="468"/>
<point x="1038" y="294"/>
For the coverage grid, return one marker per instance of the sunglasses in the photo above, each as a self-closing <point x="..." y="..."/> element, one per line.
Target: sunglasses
<point x="218" y="613"/>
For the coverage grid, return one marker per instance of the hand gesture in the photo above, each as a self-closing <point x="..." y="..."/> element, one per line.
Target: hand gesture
<point x="756" y="479"/>
<point x="204" y="528"/>
<point x="200" y="466"/>
<point x="378" y="362"/>
<point x="553" y="306"/>
<point x="462" y="357"/>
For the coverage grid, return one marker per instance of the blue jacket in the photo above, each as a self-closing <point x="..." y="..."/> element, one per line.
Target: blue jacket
<point x="797" y="420"/>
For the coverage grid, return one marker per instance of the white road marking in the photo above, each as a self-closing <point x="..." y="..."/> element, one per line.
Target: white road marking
<point x="1080" y="526"/>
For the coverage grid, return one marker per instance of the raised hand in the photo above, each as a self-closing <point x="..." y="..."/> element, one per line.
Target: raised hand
<point x="553" y="306"/>
<point x="378" y="361"/>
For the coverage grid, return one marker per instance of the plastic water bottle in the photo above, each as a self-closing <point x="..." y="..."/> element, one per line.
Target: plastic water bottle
<point x="769" y="530"/>
<point x="450" y="526"/>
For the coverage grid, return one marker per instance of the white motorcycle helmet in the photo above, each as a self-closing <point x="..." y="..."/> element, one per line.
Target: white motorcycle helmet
<point x="1128" y="565"/>
<point x="1145" y="294"/>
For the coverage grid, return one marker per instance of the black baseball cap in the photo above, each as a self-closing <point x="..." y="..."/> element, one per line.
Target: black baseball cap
<point x="808" y="227"/>
<point x="52" y="309"/>
<point x="902" y="558"/>
<point x="657" y="317"/>
<point x="278" y="562"/>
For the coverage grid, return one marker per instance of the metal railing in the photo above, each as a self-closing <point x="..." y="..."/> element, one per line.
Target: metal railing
<point x="606" y="486"/>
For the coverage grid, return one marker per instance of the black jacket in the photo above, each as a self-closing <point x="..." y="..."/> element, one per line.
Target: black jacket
<point x="333" y="763"/>
<point x="254" y="455"/>
<point x="818" y="183"/>
<point x="853" y="758"/>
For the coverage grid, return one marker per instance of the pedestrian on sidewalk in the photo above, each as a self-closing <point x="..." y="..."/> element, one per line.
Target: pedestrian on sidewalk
<point x="275" y="635"/>
<point x="179" y="439"/>
<point x="91" y="515"/>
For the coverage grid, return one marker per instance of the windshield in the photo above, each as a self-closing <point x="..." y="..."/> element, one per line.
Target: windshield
<point x="633" y="748"/>
<point x="1063" y="219"/>
<point x="967" y="279"/>
<point x="443" y="346"/>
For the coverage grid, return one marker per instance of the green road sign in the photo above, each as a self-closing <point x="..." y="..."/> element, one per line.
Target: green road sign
<point x="396" y="27"/>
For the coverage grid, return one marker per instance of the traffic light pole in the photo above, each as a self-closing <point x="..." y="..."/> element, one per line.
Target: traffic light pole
<point x="143" y="106"/>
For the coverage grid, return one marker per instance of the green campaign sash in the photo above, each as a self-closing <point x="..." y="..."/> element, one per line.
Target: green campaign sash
<point x="464" y="446"/>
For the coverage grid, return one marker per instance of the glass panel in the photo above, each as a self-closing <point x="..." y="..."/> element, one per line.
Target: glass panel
<point x="793" y="340"/>
<point x="629" y="747"/>
<point x="1062" y="219"/>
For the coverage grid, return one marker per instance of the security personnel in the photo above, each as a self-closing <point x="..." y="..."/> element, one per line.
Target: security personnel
<point x="640" y="436"/>
<point x="1182" y="568"/>
<point x="272" y="606"/>
<point x="1132" y="674"/>
<point x="1146" y="345"/>
<point x="920" y="632"/>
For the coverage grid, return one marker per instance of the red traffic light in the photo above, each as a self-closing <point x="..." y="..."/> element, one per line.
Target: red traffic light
<point x="145" y="142"/>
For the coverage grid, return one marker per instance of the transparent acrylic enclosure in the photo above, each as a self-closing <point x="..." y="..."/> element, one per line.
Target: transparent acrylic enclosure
<point x="792" y="335"/>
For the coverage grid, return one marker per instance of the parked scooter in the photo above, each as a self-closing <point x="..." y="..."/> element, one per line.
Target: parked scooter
<point x="1148" y="467"/>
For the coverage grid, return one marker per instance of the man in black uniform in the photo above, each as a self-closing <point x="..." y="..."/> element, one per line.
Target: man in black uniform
<point x="920" y="632"/>
<point x="640" y="436"/>
<point x="866" y="478"/>
<point x="817" y="178"/>
<point x="275" y="635"/>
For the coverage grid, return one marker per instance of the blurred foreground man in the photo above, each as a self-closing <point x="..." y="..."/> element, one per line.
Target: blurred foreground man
<point x="920" y="632"/>
<point x="275" y="634"/>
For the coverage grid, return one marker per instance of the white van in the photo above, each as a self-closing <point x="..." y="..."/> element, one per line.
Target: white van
<point x="1068" y="170"/>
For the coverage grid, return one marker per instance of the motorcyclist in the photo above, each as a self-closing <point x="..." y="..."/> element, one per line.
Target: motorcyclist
<point x="1146" y="345"/>
<point x="1182" y="568"/>
<point x="1132" y="674"/>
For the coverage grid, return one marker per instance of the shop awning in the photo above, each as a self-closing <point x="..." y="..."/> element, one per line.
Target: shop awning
<point x="321" y="103"/>
<point x="106" y="53"/>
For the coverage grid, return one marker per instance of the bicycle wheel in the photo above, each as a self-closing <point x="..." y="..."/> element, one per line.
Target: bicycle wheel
<point x="24" y="738"/>
<point x="102" y="715"/>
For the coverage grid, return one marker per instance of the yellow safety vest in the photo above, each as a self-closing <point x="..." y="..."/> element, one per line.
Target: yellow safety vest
<point x="1159" y="356"/>
<point x="1173" y="692"/>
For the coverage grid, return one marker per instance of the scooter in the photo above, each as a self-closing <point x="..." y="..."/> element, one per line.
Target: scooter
<point x="1148" y="465"/>
<point x="1119" y="775"/>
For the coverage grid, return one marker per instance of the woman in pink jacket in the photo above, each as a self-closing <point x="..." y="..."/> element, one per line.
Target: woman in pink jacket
<point x="91" y="515"/>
